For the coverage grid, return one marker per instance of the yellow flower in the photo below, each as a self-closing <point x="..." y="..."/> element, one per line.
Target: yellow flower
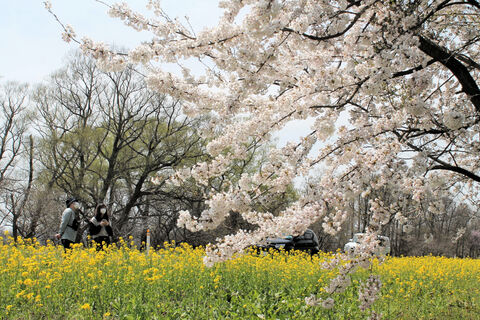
<point x="21" y="293"/>
<point x="8" y="307"/>
<point x="28" y="282"/>
<point x="86" y="306"/>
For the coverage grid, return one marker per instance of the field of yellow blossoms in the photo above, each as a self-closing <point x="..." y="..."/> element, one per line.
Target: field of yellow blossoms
<point x="42" y="282"/>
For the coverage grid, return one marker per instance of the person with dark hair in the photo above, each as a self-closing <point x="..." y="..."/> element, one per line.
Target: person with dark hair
<point x="70" y="223"/>
<point x="100" y="229"/>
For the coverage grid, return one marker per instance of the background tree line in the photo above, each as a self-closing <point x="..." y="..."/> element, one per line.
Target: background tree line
<point x="448" y="227"/>
<point x="103" y="136"/>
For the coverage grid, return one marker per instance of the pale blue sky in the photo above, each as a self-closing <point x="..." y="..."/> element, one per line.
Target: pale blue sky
<point x="32" y="47"/>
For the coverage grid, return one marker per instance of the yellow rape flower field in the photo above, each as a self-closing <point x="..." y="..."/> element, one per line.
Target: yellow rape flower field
<point x="42" y="282"/>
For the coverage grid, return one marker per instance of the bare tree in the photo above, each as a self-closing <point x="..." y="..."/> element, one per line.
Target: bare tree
<point x="13" y="103"/>
<point x="17" y="202"/>
<point x="105" y="135"/>
<point x="13" y="126"/>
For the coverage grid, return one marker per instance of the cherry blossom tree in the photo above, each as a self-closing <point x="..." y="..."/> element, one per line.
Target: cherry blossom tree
<point x="390" y="86"/>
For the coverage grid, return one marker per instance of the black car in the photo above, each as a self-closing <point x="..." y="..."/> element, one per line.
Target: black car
<point x="307" y="242"/>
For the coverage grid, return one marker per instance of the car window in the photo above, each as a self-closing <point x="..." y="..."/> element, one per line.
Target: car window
<point x="308" y="235"/>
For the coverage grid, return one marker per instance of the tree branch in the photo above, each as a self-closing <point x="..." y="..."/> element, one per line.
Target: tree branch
<point x="442" y="165"/>
<point x="330" y="36"/>
<point x="469" y="86"/>
<point x="474" y="3"/>
<point x="456" y="169"/>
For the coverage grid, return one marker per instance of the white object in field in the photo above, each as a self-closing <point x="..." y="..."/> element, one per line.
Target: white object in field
<point x="382" y="249"/>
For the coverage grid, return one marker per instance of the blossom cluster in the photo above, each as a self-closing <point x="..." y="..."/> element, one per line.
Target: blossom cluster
<point x="369" y="292"/>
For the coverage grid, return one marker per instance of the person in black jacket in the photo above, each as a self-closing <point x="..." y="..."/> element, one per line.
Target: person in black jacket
<point x="100" y="229"/>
